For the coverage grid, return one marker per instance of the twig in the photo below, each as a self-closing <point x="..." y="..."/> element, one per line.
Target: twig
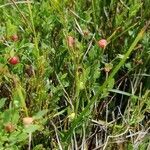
<point x="67" y="96"/>
<point x="114" y="136"/>
<point x="78" y="27"/>
<point x="124" y="4"/>
<point x="88" y="49"/>
<point x="20" y="2"/>
<point x="23" y="16"/>
<point x="59" y="144"/>
<point x="30" y="138"/>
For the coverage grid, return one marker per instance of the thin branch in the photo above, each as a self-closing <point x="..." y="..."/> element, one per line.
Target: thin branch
<point x="20" y="2"/>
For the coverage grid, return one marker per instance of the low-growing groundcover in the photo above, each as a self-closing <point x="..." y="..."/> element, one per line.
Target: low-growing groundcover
<point x="74" y="74"/>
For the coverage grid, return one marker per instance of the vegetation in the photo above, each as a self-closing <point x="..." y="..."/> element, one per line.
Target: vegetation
<point x="74" y="74"/>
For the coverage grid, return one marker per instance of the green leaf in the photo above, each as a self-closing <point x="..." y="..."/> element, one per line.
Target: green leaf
<point x="40" y="114"/>
<point x="122" y="92"/>
<point x="22" y="136"/>
<point x="15" y="117"/>
<point x="39" y="147"/>
<point x="111" y="83"/>
<point x="13" y="137"/>
<point x="31" y="128"/>
<point x="11" y="28"/>
<point x="7" y="116"/>
<point x="2" y="102"/>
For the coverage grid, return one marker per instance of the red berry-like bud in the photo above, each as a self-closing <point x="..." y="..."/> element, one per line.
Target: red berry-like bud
<point x="14" y="60"/>
<point x="102" y="43"/>
<point x="71" y="41"/>
<point x="14" y="38"/>
<point x="9" y="127"/>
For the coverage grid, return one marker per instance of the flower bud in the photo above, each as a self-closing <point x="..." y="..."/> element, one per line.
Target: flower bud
<point x="71" y="41"/>
<point x="27" y="121"/>
<point x="102" y="43"/>
<point x="9" y="127"/>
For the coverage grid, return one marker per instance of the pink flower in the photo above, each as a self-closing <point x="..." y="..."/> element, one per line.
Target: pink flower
<point x="71" y="41"/>
<point x="102" y="43"/>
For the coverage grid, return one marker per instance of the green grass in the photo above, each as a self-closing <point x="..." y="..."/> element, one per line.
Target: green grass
<point x="79" y="96"/>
